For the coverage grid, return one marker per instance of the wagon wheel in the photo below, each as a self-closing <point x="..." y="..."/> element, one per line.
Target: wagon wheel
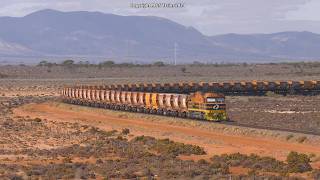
<point x="202" y="116"/>
<point x="189" y="115"/>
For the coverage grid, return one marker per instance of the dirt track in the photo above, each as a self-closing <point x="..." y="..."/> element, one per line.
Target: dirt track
<point x="214" y="142"/>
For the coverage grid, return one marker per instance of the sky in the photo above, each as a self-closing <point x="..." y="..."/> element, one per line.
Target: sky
<point x="211" y="17"/>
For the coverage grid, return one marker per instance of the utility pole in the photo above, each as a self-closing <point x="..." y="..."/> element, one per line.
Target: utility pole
<point x="175" y="53"/>
<point x="127" y="58"/>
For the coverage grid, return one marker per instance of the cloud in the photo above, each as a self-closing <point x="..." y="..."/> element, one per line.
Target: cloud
<point x="308" y="12"/>
<point x="208" y="16"/>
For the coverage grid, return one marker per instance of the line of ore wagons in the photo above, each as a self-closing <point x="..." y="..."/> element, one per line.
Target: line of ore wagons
<point x="229" y="88"/>
<point x="124" y="99"/>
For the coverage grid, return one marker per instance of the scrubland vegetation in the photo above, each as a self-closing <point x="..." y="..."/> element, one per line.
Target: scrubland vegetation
<point x="38" y="148"/>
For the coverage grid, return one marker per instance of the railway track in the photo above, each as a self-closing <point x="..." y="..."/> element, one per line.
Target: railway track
<point x="270" y="128"/>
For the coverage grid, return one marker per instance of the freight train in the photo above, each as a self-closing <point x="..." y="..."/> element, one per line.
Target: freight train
<point x="198" y="105"/>
<point x="228" y="88"/>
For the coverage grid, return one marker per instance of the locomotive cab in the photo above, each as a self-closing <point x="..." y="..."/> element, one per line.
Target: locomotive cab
<point x="208" y="106"/>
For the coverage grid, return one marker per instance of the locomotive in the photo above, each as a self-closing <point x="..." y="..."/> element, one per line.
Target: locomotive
<point x="198" y="105"/>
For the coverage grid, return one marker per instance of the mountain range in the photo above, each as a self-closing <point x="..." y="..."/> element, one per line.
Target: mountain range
<point x="51" y="34"/>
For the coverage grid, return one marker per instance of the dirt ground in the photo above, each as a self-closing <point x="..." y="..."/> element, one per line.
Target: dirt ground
<point x="297" y="113"/>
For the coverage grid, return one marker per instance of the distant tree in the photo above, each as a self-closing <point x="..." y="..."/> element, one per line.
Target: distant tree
<point x="126" y="64"/>
<point x="43" y="63"/>
<point x="244" y="64"/>
<point x="197" y="63"/>
<point x="158" y="63"/>
<point x="68" y="62"/>
<point x="107" y="63"/>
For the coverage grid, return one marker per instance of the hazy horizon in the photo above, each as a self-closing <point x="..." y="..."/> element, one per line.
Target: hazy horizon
<point x="210" y="17"/>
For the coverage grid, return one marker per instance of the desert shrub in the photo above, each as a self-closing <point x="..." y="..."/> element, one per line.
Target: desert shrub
<point x="59" y="171"/>
<point x="99" y="161"/>
<point x="147" y="140"/>
<point x="3" y="75"/>
<point x="121" y="138"/>
<point x="35" y="172"/>
<point x="37" y="119"/>
<point x="229" y="157"/>
<point x="298" y="163"/>
<point x="289" y="137"/>
<point x="225" y="169"/>
<point x="252" y="172"/>
<point x="301" y="139"/>
<point x="202" y="161"/>
<point x="168" y="147"/>
<point x="252" y="161"/>
<point x="219" y="167"/>
<point x="95" y="130"/>
<point x="125" y="131"/>
<point x="67" y="160"/>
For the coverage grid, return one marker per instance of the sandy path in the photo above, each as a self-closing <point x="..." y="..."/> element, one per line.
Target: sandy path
<point x="213" y="142"/>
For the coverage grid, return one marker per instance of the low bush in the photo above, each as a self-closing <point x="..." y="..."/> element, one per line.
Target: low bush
<point x="203" y="162"/>
<point x="37" y="119"/>
<point x="170" y="147"/>
<point x="166" y="146"/>
<point x="3" y="75"/>
<point x="290" y="136"/>
<point x="125" y="131"/>
<point x="301" y="139"/>
<point x="298" y="163"/>
<point x="220" y="167"/>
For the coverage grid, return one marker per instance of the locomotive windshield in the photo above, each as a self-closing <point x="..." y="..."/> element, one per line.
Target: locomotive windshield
<point x="215" y="100"/>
